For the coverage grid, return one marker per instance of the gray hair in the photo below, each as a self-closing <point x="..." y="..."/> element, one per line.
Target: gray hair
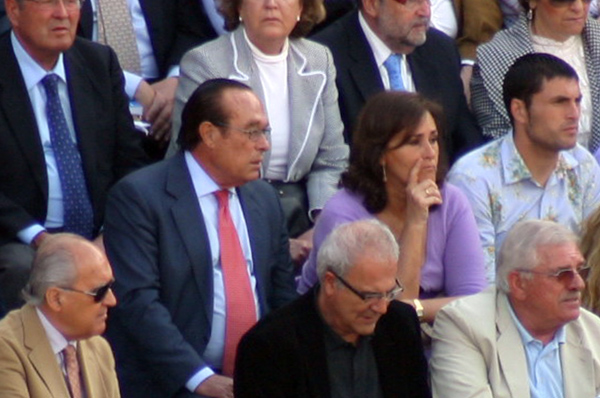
<point x="520" y="249"/>
<point x="347" y="242"/>
<point x="53" y="265"/>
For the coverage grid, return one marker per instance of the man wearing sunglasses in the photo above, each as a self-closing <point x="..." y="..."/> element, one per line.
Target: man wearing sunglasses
<point x="527" y="337"/>
<point x="52" y="347"/>
<point x="347" y="337"/>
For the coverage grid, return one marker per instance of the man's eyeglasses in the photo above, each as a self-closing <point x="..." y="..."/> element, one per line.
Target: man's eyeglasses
<point x="372" y="297"/>
<point x="98" y="294"/>
<point x="253" y="134"/>
<point x="565" y="275"/>
<point x="69" y="4"/>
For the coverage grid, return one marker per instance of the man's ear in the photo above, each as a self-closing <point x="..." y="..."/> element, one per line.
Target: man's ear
<point x="208" y="134"/>
<point x="519" y="112"/>
<point x="53" y="300"/>
<point x="12" y="12"/>
<point x="370" y="8"/>
<point x="517" y="285"/>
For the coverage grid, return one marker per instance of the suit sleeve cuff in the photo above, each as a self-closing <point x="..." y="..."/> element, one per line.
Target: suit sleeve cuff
<point x="199" y="378"/>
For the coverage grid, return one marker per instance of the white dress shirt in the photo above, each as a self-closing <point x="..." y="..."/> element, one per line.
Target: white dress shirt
<point x="205" y="187"/>
<point x="33" y="74"/>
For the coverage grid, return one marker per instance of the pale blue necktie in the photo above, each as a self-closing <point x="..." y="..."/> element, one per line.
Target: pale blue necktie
<point x="78" y="213"/>
<point x="392" y="65"/>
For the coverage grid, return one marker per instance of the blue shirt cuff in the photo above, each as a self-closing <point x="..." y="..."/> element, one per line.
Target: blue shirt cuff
<point x="132" y="81"/>
<point x="26" y="235"/>
<point x="199" y="378"/>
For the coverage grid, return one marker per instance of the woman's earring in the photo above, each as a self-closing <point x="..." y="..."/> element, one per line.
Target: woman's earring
<point x="384" y="173"/>
<point x="530" y="15"/>
<point x="240" y="19"/>
<point x="298" y="18"/>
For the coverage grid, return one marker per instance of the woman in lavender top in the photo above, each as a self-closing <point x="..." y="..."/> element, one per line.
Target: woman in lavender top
<point x="396" y="176"/>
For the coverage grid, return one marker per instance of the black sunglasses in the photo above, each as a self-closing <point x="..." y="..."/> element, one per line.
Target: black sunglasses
<point x="98" y="294"/>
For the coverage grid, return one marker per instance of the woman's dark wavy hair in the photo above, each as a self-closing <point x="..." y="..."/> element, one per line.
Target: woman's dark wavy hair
<point x="313" y="12"/>
<point x="384" y="116"/>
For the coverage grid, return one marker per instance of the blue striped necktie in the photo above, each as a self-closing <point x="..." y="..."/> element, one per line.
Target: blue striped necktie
<point x="392" y="65"/>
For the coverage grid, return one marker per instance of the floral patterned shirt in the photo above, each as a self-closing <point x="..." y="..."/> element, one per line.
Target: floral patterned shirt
<point x="502" y="191"/>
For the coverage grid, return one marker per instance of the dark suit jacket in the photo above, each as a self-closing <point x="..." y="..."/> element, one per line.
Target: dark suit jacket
<point x="284" y="356"/>
<point x="4" y="22"/>
<point x="109" y="145"/>
<point x="158" y="246"/>
<point x="435" y="68"/>
<point x="174" y="26"/>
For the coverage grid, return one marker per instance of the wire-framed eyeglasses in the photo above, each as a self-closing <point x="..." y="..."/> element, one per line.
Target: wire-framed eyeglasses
<point x="372" y="297"/>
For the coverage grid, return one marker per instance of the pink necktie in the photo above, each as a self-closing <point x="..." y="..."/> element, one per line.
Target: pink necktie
<point x="73" y="375"/>
<point x="240" y="312"/>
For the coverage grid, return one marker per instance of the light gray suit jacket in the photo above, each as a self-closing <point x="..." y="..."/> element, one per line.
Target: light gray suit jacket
<point x="28" y="367"/>
<point x="478" y="352"/>
<point x="317" y="150"/>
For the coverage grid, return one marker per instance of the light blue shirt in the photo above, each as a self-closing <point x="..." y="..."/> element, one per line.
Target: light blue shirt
<point x="205" y="187"/>
<point x="543" y="362"/>
<point x="502" y="191"/>
<point x="33" y="74"/>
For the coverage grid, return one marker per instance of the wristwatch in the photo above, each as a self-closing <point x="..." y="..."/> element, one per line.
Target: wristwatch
<point x="419" y="309"/>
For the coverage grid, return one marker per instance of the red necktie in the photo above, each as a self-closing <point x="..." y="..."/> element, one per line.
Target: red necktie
<point x="73" y="374"/>
<point x="240" y="311"/>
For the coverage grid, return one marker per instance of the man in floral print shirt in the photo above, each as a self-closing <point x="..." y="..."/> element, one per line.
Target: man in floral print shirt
<point x="539" y="171"/>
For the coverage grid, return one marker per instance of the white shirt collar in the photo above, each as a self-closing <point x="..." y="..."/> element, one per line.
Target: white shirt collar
<point x="380" y="50"/>
<point x="202" y="181"/>
<point x="58" y="342"/>
<point x="32" y="72"/>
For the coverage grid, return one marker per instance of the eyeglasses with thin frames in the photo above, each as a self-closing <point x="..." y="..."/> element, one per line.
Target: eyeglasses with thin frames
<point x="372" y="297"/>
<point x="253" y="134"/>
<point x="51" y="4"/>
<point x="98" y="294"/>
<point x="564" y="275"/>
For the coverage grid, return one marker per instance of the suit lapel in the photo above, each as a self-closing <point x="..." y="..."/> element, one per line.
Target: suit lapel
<point x="577" y="365"/>
<point x="90" y="372"/>
<point x="362" y="66"/>
<point x="41" y="356"/>
<point x="511" y="354"/>
<point x="188" y="219"/>
<point x="83" y="90"/>
<point x="305" y="91"/>
<point x="311" y="338"/>
<point x="255" y="216"/>
<point x="15" y="108"/>
<point x="421" y="72"/>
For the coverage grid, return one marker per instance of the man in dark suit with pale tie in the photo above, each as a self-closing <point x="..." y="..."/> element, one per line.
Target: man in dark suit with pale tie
<point x="199" y="249"/>
<point x="66" y="134"/>
<point x="387" y="44"/>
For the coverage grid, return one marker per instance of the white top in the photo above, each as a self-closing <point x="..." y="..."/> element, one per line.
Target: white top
<point x="205" y="187"/>
<point x="443" y="17"/>
<point x="571" y="51"/>
<point x="381" y="52"/>
<point x="33" y="74"/>
<point x="272" y="70"/>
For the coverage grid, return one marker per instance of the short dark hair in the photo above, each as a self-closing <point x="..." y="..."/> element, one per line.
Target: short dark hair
<point x="384" y="116"/>
<point x="527" y="75"/>
<point x="205" y="105"/>
<point x="313" y="12"/>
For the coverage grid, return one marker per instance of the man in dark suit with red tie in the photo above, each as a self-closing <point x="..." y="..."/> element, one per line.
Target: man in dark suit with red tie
<point x="199" y="249"/>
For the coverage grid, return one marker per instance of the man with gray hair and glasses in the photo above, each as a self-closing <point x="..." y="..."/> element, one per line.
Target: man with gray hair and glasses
<point x="346" y="337"/>
<point x="527" y="337"/>
<point x="51" y="346"/>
